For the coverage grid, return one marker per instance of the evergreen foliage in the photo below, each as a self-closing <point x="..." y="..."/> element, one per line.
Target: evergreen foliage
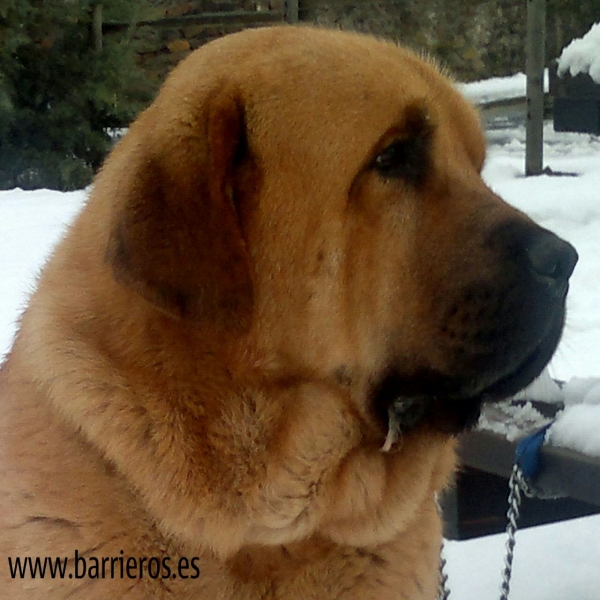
<point x="59" y="96"/>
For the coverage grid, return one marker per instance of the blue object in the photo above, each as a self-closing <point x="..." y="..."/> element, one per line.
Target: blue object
<point x="527" y="456"/>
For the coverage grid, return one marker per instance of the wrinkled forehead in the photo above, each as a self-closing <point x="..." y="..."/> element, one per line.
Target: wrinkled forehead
<point x="344" y="94"/>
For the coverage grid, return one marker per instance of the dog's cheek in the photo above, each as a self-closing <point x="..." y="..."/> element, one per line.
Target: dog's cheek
<point x="383" y="255"/>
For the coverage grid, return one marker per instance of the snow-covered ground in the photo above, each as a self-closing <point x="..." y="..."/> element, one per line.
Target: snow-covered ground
<point x="30" y="225"/>
<point x="556" y="562"/>
<point x="499" y="88"/>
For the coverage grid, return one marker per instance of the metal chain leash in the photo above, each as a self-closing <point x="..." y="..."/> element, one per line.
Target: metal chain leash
<point x="443" y="590"/>
<point x="517" y="485"/>
<point x="526" y="468"/>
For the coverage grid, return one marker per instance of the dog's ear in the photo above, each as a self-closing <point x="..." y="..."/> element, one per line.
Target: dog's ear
<point x="176" y="237"/>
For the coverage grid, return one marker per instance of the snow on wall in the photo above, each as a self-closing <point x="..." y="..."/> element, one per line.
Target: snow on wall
<point x="498" y="88"/>
<point x="582" y="55"/>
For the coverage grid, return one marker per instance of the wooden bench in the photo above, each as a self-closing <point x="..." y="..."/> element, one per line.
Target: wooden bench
<point x="568" y="486"/>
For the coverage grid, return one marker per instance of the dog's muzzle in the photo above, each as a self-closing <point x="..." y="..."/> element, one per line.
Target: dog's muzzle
<point x="497" y="333"/>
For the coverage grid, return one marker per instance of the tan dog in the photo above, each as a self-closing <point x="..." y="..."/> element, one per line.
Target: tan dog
<point x="243" y="368"/>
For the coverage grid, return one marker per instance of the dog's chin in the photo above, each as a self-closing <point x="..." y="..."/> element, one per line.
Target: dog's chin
<point x="452" y="404"/>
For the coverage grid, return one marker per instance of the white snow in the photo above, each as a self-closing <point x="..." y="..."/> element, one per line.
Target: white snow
<point x="498" y="88"/>
<point x="582" y="55"/>
<point x="544" y="387"/>
<point x="555" y="562"/>
<point x="30" y="225"/>
<point x="511" y="421"/>
<point x="577" y="428"/>
<point x="584" y="390"/>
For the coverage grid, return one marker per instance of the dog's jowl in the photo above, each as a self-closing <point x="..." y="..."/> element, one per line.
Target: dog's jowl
<point x="244" y="367"/>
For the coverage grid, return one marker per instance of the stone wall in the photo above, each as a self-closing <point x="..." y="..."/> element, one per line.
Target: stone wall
<point x="475" y="39"/>
<point x="161" y="48"/>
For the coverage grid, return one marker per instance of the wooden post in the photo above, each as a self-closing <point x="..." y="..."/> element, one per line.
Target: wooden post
<point x="291" y="11"/>
<point x="536" y="46"/>
<point x="97" y="27"/>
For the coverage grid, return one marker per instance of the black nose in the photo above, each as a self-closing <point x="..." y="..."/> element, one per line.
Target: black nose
<point x="551" y="259"/>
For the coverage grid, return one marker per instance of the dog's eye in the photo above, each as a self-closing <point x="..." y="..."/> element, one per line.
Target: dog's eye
<point x="407" y="159"/>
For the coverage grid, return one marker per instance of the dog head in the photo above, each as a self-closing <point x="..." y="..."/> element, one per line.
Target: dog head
<point x="315" y="198"/>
